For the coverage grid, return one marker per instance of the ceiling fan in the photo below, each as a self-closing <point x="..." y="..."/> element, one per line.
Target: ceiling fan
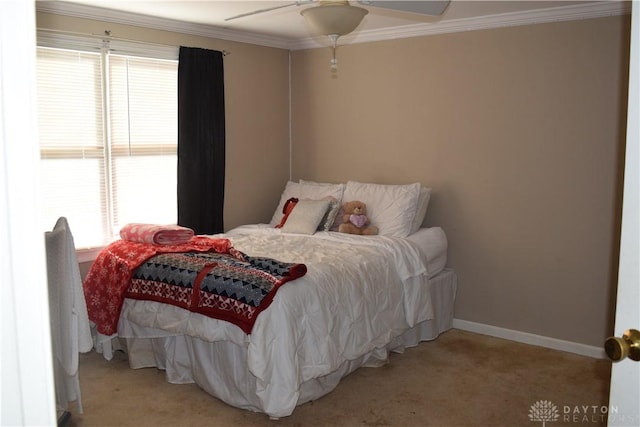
<point x="423" y="7"/>
<point x="335" y="18"/>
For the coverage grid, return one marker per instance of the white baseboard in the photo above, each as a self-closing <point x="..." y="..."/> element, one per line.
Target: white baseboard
<point x="527" y="338"/>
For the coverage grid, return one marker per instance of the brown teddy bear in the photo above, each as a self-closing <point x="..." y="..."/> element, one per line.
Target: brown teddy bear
<point x="355" y="220"/>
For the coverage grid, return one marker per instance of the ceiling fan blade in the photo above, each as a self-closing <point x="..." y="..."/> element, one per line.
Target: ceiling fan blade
<point x="425" y="7"/>
<point x="268" y="9"/>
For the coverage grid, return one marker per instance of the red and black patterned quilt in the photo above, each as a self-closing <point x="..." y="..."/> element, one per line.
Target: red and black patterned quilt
<point x="228" y="284"/>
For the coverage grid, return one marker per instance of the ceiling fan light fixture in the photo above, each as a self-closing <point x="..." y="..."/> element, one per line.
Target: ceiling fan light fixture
<point x="334" y="19"/>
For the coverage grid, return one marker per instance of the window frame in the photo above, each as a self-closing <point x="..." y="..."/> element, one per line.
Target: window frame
<point x="102" y="45"/>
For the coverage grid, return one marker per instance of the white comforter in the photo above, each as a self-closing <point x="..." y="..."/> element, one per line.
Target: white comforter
<point x="358" y="294"/>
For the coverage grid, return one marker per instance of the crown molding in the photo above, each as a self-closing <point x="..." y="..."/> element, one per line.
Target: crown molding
<point x="552" y="14"/>
<point x="539" y="16"/>
<point x="118" y="17"/>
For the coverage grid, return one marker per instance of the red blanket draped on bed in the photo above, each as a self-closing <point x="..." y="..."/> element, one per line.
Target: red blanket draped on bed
<point x="110" y="275"/>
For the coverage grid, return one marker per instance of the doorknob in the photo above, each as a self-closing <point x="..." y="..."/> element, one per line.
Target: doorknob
<point x="619" y="348"/>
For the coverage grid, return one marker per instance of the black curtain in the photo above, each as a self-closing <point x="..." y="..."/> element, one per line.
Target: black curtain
<point x="201" y="140"/>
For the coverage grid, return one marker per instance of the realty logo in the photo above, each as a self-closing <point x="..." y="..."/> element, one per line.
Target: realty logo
<point x="543" y="410"/>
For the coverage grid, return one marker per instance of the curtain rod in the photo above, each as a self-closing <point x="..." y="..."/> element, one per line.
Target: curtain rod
<point x="108" y="37"/>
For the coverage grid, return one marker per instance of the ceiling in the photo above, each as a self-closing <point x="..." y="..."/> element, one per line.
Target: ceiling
<point x="286" y="28"/>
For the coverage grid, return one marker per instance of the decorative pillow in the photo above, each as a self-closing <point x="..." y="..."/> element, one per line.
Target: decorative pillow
<point x="286" y="210"/>
<point x="391" y="208"/>
<point x="421" y="211"/>
<point x="305" y="216"/>
<point x="305" y="191"/>
<point x="330" y="216"/>
<point x="335" y="224"/>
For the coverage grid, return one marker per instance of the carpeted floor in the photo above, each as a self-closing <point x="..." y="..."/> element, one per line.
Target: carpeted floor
<point x="460" y="379"/>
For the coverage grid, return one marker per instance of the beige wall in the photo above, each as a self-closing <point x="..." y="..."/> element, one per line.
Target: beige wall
<point x="519" y="131"/>
<point x="257" y="113"/>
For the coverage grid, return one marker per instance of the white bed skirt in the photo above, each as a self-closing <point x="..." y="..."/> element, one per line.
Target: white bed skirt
<point x="221" y="367"/>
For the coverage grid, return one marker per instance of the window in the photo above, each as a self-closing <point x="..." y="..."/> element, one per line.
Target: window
<point x="108" y="140"/>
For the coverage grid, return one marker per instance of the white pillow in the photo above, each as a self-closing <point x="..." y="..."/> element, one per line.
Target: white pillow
<point x="421" y="211"/>
<point x="391" y="208"/>
<point x="305" y="190"/>
<point x="305" y="216"/>
<point x="304" y="181"/>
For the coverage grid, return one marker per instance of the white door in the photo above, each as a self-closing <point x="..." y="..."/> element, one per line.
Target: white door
<point x="27" y="395"/>
<point x="624" y="398"/>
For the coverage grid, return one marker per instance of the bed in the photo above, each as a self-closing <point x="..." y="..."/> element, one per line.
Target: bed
<point x="358" y="299"/>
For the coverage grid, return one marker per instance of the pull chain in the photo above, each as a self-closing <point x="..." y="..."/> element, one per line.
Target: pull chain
<point x="334" y="60"/>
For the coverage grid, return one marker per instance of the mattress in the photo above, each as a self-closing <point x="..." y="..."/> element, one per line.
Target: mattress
<point x="432" y="243"/>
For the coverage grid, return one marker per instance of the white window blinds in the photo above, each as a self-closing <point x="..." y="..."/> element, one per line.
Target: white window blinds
<point x="108" y="139"/>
